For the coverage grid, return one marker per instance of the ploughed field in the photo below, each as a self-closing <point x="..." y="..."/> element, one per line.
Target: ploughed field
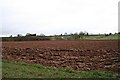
<point x="78" y="55"/>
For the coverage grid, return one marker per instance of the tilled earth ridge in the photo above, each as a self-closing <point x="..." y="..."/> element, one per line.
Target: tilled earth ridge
<point x="78" y="55"/>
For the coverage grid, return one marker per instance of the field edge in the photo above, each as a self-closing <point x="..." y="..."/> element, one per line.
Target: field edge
<point x="18" y="69"/>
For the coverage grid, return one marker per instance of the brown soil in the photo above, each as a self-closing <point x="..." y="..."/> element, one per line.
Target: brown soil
<point x="78" y="55"/>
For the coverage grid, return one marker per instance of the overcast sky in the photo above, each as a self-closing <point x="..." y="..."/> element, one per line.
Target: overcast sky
<point x="58" y="16"/>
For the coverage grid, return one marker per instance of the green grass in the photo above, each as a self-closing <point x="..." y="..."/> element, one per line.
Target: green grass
<point x="14" y="69"/>
<point x="90" y="37"/>
<point x="102" y="37"/>
<point x="0" y="68"/>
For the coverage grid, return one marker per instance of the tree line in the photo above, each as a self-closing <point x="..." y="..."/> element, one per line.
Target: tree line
<point x="65" y="36"/>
